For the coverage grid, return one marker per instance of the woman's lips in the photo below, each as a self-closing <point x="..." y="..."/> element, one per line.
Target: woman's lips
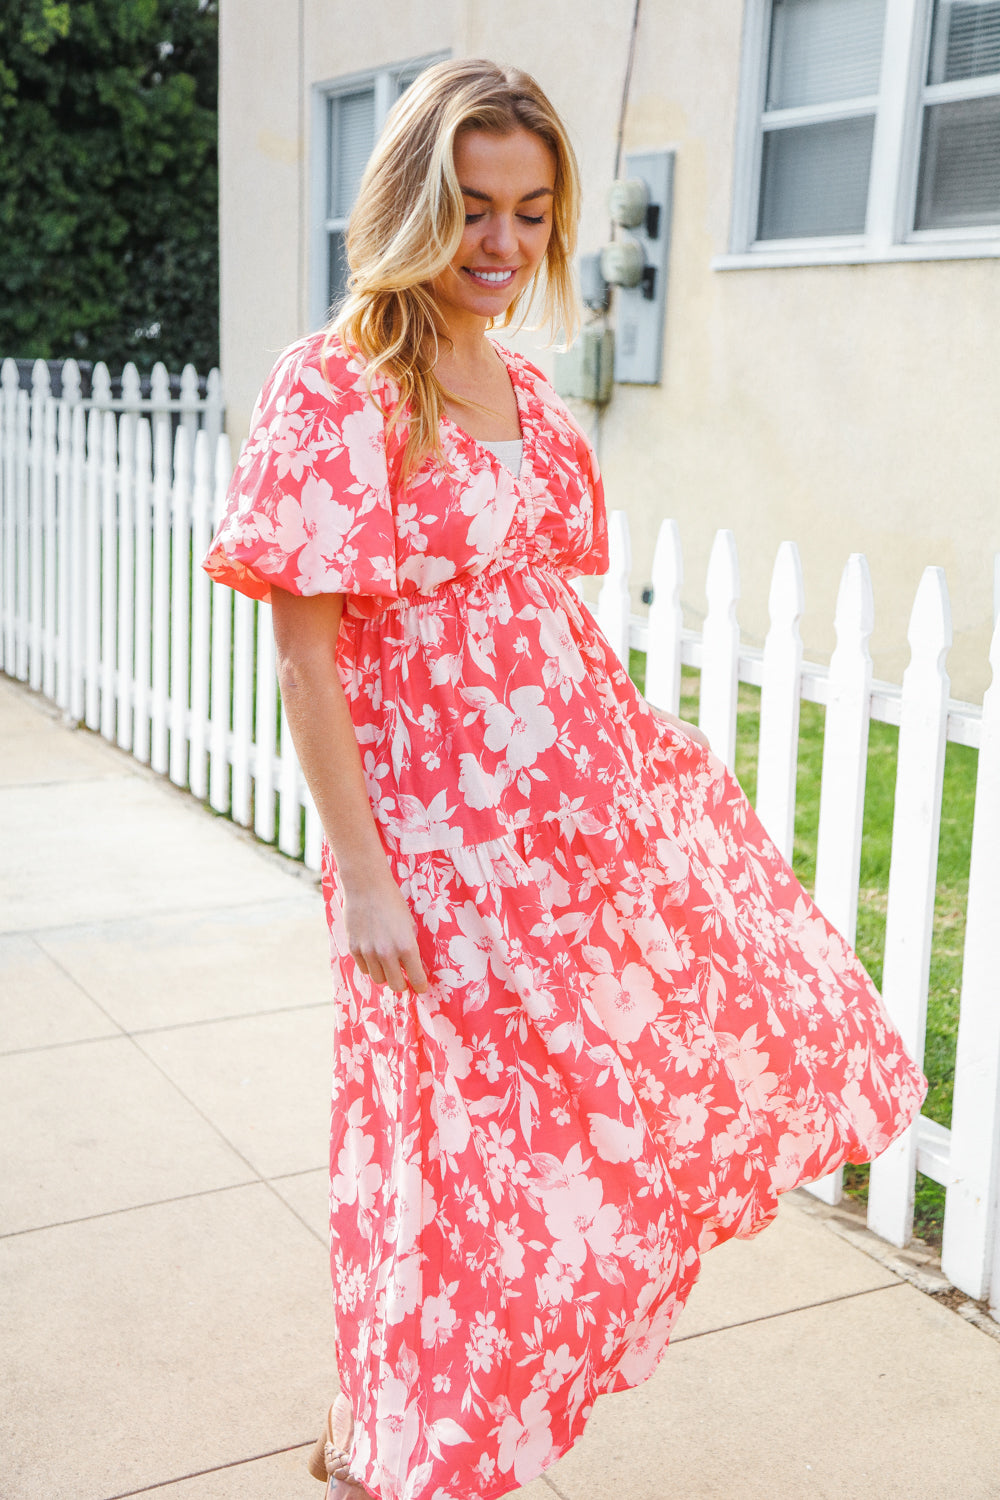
<point x="491" y="278"/>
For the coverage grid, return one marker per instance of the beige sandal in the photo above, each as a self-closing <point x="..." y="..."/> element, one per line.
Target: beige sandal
<point x="331" y="1457"/>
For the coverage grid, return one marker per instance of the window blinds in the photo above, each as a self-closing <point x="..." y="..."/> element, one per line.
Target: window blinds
<point x="352" y="135"/>
<point x="824" y="50"/>
<point x="965" y="40"/>
<point x="824" y="93"/>
<point x="814" y="180"/>
<point x="959" y="181"/>
<point x="814" y="173"/>
<point x="960" y="165"/>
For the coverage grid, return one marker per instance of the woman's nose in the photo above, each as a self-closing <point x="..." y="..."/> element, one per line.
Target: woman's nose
<point x="500" y="238"/>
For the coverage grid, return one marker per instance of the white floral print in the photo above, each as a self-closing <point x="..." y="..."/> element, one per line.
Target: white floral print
<point x="639" y="1029"/>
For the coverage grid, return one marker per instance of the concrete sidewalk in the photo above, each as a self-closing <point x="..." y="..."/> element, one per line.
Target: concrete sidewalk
<point x="166" y="1322"/>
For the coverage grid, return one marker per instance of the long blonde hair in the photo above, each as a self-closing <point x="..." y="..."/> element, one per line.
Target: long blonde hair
<point x="408" y="221"/>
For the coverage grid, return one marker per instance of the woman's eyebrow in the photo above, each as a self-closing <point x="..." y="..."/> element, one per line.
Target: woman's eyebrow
<point x="542" y="192"/>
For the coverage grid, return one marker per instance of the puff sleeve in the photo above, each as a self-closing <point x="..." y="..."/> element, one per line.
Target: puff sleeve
<point x="309" y="506"/>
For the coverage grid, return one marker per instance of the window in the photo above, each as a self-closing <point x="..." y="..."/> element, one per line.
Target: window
<point x="959" y="178"/>
<point x="347" y="120"/>
<point x="868" y="129"/>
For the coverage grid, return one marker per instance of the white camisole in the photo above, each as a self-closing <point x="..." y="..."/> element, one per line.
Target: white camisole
<point x="509" y="453"/>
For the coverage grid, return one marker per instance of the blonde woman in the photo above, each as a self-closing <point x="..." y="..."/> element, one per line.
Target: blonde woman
<point x="587" y="1022"/>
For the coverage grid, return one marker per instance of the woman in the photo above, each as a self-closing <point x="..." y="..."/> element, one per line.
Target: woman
<point x="587" y="1022"/>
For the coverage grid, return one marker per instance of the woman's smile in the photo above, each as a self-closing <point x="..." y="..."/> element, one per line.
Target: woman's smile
<point x="491" y="278"/>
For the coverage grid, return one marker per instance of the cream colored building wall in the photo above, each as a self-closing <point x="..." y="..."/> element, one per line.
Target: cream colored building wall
<point x="849" y="408"/>
<point x="261" y="179"/>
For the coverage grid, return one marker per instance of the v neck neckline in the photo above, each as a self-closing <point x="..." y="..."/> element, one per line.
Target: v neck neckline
<point x="526" y="436"/>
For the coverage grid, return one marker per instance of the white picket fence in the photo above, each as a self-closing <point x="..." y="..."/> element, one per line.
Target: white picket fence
<point x="105" y="609"/>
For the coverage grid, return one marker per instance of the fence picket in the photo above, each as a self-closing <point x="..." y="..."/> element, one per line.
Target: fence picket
<point x="126" y="580"/>
<point x="213" y="409"/>
<point x="64" y="551"/>
<point x="92" y="574"/>
<point x="67" y="521"/>
<point x="721" y="649"/>
<point x="180" y="620"/>
<point x="190" y="405"/>
<point x="845" y="767"/>
<point x="266" y="729"/>
<point x="100" y="386"/>
<point x="48" y="548"/>
<point x="314" y="833"/>
<point x="160" y="674"/>
<point x="159" y="386"/>
<point x="40" y="395"/>
<point x="665" y="623"/>
<point x="219" y="792"/>
<point x="142" y="674"/>
<point x="9" y="381"/>
<point x="780" y="700"/>
<point x="131" y="389"/>
<point x="972" y="1211"/>
<point x="131" y="396"/>
<point x="845" y="751"/>
<point x="201" y="521"/>
<point x="78" y="576"/>
<point x="109" y="571"/>
<point x="613" y="607"/>
<point x="923" y="732"/>
<point x="22" y="572"/>
<point x="243" y="685"/>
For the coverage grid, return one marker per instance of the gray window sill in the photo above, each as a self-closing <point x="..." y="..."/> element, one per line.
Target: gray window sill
<point x="771" y="257"/>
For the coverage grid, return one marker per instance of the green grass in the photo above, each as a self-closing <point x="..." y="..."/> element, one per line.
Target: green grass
<point x="952" y="887"/>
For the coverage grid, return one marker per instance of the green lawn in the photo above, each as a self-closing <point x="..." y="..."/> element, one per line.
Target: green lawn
<point x="952" y="887"/>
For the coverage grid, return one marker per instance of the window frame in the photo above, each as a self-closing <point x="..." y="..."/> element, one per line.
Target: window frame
<point x="895" y="160"/>
<point x="385" y="84"/>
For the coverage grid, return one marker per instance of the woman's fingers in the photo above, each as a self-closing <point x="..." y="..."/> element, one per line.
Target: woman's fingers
<point x="382" y="936"/>
<point x="399" y="970"/>
<point x="415" y="970"/>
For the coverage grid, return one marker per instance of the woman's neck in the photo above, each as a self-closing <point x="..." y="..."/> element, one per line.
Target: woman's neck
<point x="478" y="394"/>
<point x="465" y="350"/>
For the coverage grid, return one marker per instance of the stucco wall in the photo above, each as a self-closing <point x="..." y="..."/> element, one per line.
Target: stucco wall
<point x="261" y="171"/>
<point x="849" y="408"/>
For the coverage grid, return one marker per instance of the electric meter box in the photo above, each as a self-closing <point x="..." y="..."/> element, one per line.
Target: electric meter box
<point x="585" y="371"/>
<point x="640" y="310"/>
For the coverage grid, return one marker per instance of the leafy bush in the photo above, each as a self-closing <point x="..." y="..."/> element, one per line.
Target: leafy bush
<point x="109" y="180"/>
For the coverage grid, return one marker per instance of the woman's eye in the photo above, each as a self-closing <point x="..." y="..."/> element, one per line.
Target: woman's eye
<point x="527" y="219"/>
<point x="473" y="218"/>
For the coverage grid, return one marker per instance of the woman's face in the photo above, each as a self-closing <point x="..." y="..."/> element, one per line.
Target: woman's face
<point x="508" y="182"/>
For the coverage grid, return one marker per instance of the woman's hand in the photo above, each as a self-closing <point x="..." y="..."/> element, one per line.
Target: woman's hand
<point x="690" y="731"/>
<point x="382" y="935"/>
<point x="381" y="932"/>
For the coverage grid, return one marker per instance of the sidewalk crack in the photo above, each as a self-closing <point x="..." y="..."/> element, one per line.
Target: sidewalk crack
<point x="787" y="1312"/>
<point x="236" y="1463"/>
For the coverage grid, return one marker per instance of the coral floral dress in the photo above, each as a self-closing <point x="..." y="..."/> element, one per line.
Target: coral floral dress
<point x="639" y="1028"/>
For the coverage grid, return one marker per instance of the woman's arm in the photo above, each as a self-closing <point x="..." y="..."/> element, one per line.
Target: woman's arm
<point x="381" y="933"/>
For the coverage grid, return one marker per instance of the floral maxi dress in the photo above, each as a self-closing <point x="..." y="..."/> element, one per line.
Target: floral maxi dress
<point x="639" y="1028"/>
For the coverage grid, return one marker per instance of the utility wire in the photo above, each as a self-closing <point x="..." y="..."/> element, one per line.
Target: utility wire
<point x="626" y="85"/>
